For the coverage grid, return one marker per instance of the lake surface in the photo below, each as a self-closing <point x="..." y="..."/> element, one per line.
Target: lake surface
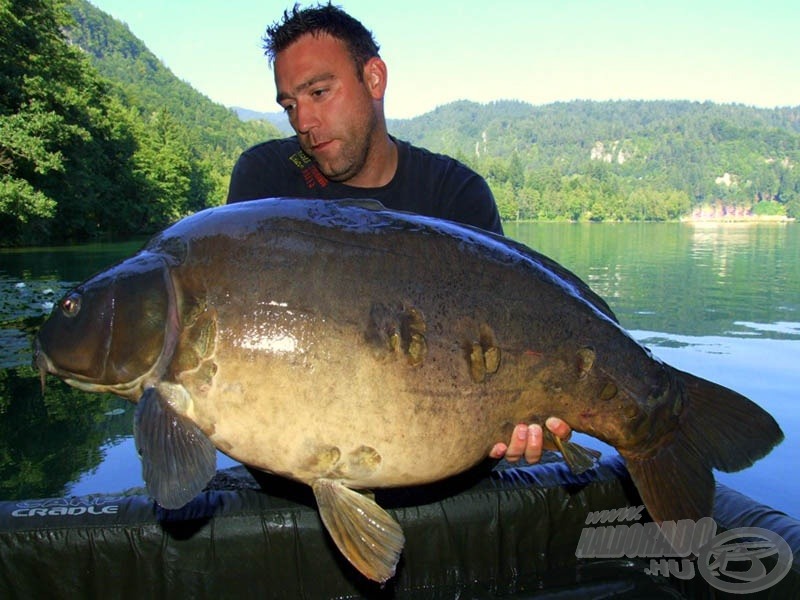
<point x="719" y="300"/>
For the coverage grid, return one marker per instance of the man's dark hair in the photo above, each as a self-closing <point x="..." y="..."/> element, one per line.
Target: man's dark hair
<point x="321" y="19"/>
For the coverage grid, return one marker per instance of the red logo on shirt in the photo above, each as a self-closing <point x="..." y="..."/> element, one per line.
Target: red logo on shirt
<point x="311" y="173"/>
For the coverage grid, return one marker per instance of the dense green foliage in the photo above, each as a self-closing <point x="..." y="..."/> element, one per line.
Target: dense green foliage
<point x="99" y="139"/>
<point x="622" y="160"/>
<point x="97" y="136"/>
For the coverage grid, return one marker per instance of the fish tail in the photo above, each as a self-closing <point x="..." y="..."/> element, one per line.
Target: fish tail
<point x="717" y="429"/>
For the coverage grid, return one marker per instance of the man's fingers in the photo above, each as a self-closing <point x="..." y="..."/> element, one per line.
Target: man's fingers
<point x="533" y="449"/>
<point x="558" y="427"/>
<point x="528" y="441"/>
<point x="519" y="440"/>
<point x="498" y="450"/>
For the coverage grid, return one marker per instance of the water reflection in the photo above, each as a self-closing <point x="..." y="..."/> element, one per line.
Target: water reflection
<point x="719" y="301"/>
<point x="48" y="439"/>
<point x="679" y="278"/>
<point x="780" y="330"/>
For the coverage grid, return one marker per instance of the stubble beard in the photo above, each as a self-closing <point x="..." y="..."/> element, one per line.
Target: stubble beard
<point x="354" y="153"/>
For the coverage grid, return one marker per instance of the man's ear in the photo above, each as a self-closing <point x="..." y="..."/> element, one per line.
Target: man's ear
<point x="375" y="77"/>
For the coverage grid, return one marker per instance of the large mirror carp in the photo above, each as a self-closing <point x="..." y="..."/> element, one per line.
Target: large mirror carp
<point x="336" y="343"/>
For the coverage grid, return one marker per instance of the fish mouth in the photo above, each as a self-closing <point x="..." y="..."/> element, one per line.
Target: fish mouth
<point x="45" y="366"/>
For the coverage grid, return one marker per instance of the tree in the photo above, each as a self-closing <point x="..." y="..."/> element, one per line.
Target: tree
<point x="31" y="127"/>
<point x="24" y="148"/>
<point x="164" y="161"/>
<point x="506" y="200"/>
<point x="82" y="156"/>
<point x="58" y="142"/>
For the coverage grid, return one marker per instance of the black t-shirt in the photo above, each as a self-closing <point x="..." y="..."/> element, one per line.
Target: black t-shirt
<point x="425" y="183"/>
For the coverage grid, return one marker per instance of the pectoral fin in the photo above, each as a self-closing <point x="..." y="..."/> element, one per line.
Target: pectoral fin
<point x="578" y="458"/>
<point x="365" y="533"/>
<point x="178" y="459"/>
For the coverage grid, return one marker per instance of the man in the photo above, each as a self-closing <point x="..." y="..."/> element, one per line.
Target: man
<point x="331" y="82"/>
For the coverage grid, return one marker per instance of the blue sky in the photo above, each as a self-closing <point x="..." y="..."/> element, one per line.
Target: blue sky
<point x="539" y="51"/>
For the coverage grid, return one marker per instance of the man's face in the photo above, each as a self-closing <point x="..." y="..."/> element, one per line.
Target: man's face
<point x="331" y="110"/>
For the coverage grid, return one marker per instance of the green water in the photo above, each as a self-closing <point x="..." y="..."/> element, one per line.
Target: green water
<point x="720" y="301"/>
<point x="685" y="279"/>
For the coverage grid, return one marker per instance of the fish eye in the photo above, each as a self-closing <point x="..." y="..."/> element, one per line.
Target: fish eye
<point x="71" y="305"/>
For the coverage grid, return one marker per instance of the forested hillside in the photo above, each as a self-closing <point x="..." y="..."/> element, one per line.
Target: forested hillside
<point x="98" y="139"/>
<point x="622" y="160"/>
<point x="97" y="136"/>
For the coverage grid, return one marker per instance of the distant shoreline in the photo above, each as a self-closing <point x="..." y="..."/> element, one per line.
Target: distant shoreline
<point x="689" y="220"/>
<point x="737" y="219"/>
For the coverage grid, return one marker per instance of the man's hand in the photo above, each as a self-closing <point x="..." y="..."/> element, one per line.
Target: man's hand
<point x="527" y="441"/>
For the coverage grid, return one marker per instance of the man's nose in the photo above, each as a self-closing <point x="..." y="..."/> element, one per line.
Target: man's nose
<point x="306" y="117"/>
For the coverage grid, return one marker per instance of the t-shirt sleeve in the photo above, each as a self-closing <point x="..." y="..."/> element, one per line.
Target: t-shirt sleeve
<point x="475" y="205"/>
<point x="441" y="186"/>
<point x="464" y="196"/>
